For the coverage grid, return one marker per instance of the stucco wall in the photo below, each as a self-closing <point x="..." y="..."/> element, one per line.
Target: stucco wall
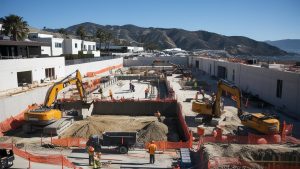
<point x="57" y="51"/>
<point x="259" y="81"/>
<point x="11" y="106"/>
<point x="9" y="69"/>
<point x="93" y="66"/>
<point x="147" y="61"/>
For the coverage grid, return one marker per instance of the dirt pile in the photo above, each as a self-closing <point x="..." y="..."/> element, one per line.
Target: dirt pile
<point x="155" y="131"/>
<point x="99" y="123"/>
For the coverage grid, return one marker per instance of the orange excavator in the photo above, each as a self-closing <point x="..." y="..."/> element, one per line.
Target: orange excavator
<point x="49" y="117"/>
<point x="212" y="108"/>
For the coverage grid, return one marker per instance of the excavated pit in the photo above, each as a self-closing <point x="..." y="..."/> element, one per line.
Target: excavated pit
<point x="130" y="115"/>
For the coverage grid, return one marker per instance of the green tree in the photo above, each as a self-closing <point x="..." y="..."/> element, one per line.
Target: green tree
<point x="62" y="31"/>
<point x="100" y="35"/>
<point x="81" y="32"/>
<point x="15" y="26"/>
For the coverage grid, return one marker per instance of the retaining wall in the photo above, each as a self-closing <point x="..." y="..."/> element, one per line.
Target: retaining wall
<point x="84" y="68"/>
<point x="147" y="61"/>
<point x="13" y="105"/>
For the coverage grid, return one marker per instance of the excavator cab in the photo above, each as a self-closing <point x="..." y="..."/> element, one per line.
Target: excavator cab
<point x="209" y="108"/>
<point x="50" y="112"/>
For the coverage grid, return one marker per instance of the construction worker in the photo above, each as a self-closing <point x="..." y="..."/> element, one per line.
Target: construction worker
<point x="97" y="162"/>
<point x="158" y="115"/>
<point x="101" y="92"/>
<point x="91" y="151"/>
<point x="110" y="94"/>
<point x="130" y="86"/>
<point x="152" y="149"/>
<point x="146" y="92"/>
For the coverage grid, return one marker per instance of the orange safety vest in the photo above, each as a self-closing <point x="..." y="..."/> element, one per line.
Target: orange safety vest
<point x="91" y="150"/>
<point x="152" y="148"/>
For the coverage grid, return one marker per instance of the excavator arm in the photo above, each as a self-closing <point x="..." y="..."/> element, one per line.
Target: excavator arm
<point x="232" y="90"/>
<point x="53" y="91"/>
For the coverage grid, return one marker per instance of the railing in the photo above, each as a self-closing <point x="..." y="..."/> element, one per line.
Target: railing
<point x="87" y="60"/>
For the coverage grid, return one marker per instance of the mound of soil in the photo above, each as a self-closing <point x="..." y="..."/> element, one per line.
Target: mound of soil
<point x="155" y="131"/>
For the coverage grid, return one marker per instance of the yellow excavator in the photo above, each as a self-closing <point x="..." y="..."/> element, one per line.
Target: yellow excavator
<point x="212" y="108"/>
<point x="49" y="117"/>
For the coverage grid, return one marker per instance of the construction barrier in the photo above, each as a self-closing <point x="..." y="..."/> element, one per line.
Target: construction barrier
<point x="70" y="142"/>
<point x="15" y="121"/>
<point x="253" y="138"/>
<point x="46" y="159"/>
<point x="92" y="74"/>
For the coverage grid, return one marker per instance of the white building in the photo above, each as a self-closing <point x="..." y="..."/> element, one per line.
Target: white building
<point x="17" y="72"/>
<point x="73" y="46"/>
<point x="57" y="45"/>
<point x="124" y="49"/>
<point x="60" y="46"/>
<point x="278" y="87"/>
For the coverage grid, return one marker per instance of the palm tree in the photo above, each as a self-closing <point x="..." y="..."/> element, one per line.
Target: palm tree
<point x="81" y="32"/>
<point x="15" y="25"/>
<point x="100" y="34"/>
<point x="108" y="38"/>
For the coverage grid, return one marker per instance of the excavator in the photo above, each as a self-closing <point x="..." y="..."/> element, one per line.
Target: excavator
<point x="49" y="117"/>
<point x="260" y="122"/>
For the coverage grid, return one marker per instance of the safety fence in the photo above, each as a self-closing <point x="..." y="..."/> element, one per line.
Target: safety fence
<point x="110" y="68"/>
<point x="46" y="159"/>
<point x="14" y="121"/>
<point x="250" y="138"/>
<point x="69" y="142"/>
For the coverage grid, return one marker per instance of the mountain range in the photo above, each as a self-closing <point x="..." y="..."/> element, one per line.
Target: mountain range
<point x="289" y="45"/>
<point x="162" y="38"/>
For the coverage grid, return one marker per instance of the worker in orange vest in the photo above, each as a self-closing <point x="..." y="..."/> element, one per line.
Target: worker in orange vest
<point x="152" y="149"/>
<point x="91" y="151"/>
<point x="110" y="94"/>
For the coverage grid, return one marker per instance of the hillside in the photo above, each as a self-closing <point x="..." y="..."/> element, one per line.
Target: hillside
<point x="188" y="40"/>
<point x="289" y="45"/>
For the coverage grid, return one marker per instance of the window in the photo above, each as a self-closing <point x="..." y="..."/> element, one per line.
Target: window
<point x="233" y="75"/>
<point x="197" y="63"/>
<point x="89" y="47"/>
<point x="50" y="73"/>
<point x="75" y="45"/>
<point x="57" y="45"/>
<point x="94" y="47"/>
<point x="279" y="89"/>
<point x="84" y="47"/>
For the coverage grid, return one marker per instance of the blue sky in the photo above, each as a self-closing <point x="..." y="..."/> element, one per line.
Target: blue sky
<point x="257" y="19"/>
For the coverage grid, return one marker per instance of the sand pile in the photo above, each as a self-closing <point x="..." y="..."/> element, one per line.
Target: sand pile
<point x="155" y="131"/>
<point x="100" y="123"/>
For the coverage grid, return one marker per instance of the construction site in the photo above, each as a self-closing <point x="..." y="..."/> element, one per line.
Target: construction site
<point x="195" y="118"/>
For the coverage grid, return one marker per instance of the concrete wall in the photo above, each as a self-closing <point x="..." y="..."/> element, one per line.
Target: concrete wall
<point x="57" y="51"/>
<point x="9" y="69"/>
<point x="259" y="81"/>
<point x="70" y="46"/>
<point x="93" y="66"/>
<point x="11" y="106"/>
<point x="147" y="61"/>
<point x="46" y="50"/>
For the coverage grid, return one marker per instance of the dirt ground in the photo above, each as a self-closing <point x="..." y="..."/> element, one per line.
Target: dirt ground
<point x="148" y="127"/>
